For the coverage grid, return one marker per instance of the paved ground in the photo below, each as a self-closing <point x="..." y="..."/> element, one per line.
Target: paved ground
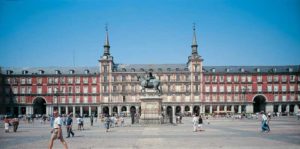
<point x="220" y="133"/>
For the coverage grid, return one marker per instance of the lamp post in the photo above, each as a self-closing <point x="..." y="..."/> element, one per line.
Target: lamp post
<point x="56" y="92"/>
<point x="244" y="90"/>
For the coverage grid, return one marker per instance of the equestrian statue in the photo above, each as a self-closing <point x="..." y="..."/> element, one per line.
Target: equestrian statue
<point x="150" y="82"/>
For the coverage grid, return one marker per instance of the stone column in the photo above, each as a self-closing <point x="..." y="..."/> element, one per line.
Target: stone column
<point x="279" y="108"/>
<point x="225" y="108"/>
<point x="191" y="109"/>
<point x="269" y="108"/>
<point x="67" y="110"/>
<point x="59" y="109"/>
<point x="81" y="111"/>
<point x="137" y="109"/>
<point x="74" y="111"/>
<point x="218" y="108"/>
<point x="182" y="109"/>
<point x="128" y="109"/>
<point x="119" y="109"/>
<point x="47" y="109"/>
<point x="296" y="108"/>
<point x="99" y="110"/>
<point x="90" y="111"/>
<point x="288" y="109"/>
<point x="240" y="109"/>
<point x="210" y="109"/>
<point x="173" y="114"/>
<point x="19" y="110"/>
<point x="232" y="108"/>
<point x="249" y="108"/>
<point x="165" y="110"/>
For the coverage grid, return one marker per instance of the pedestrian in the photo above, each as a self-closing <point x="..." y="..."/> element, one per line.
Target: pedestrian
<point x="69" y="122"/>
<point x="92" y="120"/>
<point x="81" y="123"/>
<point x="15" y="123"/>
<point x="6" y="124"/>
<point x="107" y="122"/>
<point x="122" y="121"/>
<point x="78" y="123"/>
<point x="195" y="123"/>
<point x="57" y="132"/>
<point x="264" y="125"/>
<point x="200" y="123"/>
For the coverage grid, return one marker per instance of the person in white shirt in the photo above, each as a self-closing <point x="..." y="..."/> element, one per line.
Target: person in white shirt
<point x="264" y="125"/>
<point x="57" y="132"/>
<point x="195" y="122"/>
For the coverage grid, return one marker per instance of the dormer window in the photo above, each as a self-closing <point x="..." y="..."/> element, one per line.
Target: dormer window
<point x="142" y="69"/>
<point x="57" y="72"/>
<point x="132" y="69"/>
<point x="41" y="72"/>
<point x="169" y="69"/>
<point x="160" y="69"/>
<point x="86" y="71"/>
<point x="213" y="70"/>
<point x="123" y="69"/>
<point x="274" y="70"/>
<point x="257" y="69"/>
<point x="227" y="69"/>
<point x="9" y="72"/>
<point x="242" y="70"/>
<point x="71" y="71"/>
<point x="290" y="69"/>
<point x="24" y="72"/>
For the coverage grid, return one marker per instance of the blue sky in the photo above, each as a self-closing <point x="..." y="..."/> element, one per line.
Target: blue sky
<point x="71" y="32"/>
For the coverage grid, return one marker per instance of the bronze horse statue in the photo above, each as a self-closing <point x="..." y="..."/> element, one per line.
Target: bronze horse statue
<point x="152" y="83"/>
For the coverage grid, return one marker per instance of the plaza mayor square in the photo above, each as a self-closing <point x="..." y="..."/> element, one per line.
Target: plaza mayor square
<point x="218" y="74"/>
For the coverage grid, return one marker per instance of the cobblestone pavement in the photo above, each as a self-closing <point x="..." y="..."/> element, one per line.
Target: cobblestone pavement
<point x="220" y="133"/>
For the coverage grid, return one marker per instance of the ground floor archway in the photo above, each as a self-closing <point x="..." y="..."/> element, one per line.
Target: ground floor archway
<point x="196" y="110"/>
<point x="259" y="104"/>
<point x="39" y="106"/>
<point x="105" y="110"/>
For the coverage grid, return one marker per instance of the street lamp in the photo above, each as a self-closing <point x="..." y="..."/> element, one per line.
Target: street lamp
<point x="56" y="92"/>
<point x="244" y="91"/>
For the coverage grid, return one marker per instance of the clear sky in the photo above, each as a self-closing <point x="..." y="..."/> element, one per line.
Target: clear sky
<point x="43" y="33"/>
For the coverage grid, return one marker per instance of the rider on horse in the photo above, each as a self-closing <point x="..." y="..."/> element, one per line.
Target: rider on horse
<point x="149" y="77"/>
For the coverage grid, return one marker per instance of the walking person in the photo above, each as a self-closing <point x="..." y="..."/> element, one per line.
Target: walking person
<point x="264" y="125"/>
<point x="195" y="123"/>
<point x="107" y="122"/>
<point x="78" y="123"/>
<point x="6" y="124"/>
<point x="200" y="123"/>
<point x="92" y="120"/>
<point x="15" y="123"/>
<point x="69" y="122"/>
<point x="57" y="132"/>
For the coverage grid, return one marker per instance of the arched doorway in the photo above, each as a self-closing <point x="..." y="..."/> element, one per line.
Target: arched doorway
<point x="178" y="110"/>
<point x="132" y="114"/>
<point x="105" y="110"/>
<point x="115" y="110"/>
<point x="259" y="104"/>
<point x="169" y="114"/>
<point x="196" y="110"/>
<point x="39" y="106"/>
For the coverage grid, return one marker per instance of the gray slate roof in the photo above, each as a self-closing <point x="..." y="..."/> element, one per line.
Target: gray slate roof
<point x="154" y="68"/>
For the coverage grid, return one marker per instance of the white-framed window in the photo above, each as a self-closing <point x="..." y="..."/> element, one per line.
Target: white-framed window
<point x="236" y="78"/>
<point x="269" y="78"/>
<point x="236" y="88"/>
<point x="229" y="98"/>
<point x="94" y="80"/>
<point x="29" y="80"/>
<point x="214" y="88"/>
<point x="85" y="80"/>
<point x="259" y="88"/>
<point x="23" y="99"/>
<point x="269" y="88"/>
<point x="23" y="81"/>
<point x="23" y="91"/>
<point x="249" y="78"/>
<point x="292" y="97"/>
<point x="221" y="88"/>
<point x="298" y="87"/>
<point x="39" y="81"/>
<point x="221" y="78"/>
<point x="276" y="98"/>
<point x="70" y="80"/>
<point x="276" y="78"/>
<point x="207" y="79"/>
<point x="214" y="98"/>
<point x="94" y="99"/>
<point x="63" y="99"/>
<point x="85" y="89"/>
<point x="56" y="80"/>
<point x="207" y="97"/>
<point x="243" y="78"/>
<point x="94" y="89"/>
<point x="63" y="89"/>
<point x="228" y="88"/>
<point x="50" y="80"/>
<point x="54" y="99"/>
<point x="283" y="78"/>
<point x="228" y="78"/>
<point x="49" y="91"/>
<point x="292" y="78"/>
<point x="77" y="89"/>
<point x="85" y="99"/>
<point x="221" y="98"/>
<point x="259" y="78"/>
<point x="283" y="88"/>
<point x="249" y="88"/>
<point x="283" y="97"/>
<point x="39" y="90"/>
<point x="70" y="89"/>
<point x="214" y="78"/>
<point x="207" y="88"/>
<point x="62" y="80"/>
<point x="15" y="90"/>
<point x="29" y="90"/>
<point x="292" y="87"/>
<point x="77" y="99"/>
<point x="70" y="98"/>
<point x="77" y="80"/>
<point x="275" y="88"/>
<point x="236" y="98"/>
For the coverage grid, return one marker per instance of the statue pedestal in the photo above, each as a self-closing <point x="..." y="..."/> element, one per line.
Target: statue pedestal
<point x="151" y="110"/>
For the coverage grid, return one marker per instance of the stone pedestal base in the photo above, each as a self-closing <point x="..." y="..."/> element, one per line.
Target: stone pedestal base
<point x="151" y="110"/>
